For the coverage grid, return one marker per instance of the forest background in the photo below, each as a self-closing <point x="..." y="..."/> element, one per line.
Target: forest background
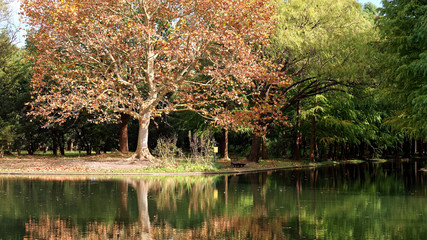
<point x="345" y="81"/>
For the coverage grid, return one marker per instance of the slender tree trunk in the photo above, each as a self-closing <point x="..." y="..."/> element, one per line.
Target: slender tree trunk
<point x="335" y="151"/>
<point x="285" y="152"/>
<point x="123" y="125"/>
<point x="420" y="147"/>
<point x="413" y="147"/>
<point x="224" y="143"/>
<point x="406" y="148"/>
<point x="61" y="142"/>
<point x="142" y="152"/>
<point x="255" y="149"/>
<point x="31" y="148"/>
<point x="342" y="157"/>
<point x="330" y="152"/>
<point x="297" y="146"/>
<point x="362" y="150"/>
<point x="298" y="135"/>
<point x="89" y="149"/>
<point x="323" y="154"/>
<point x="303" y="147"/>
<point x="264" y="150"/>
<point x="71" y="145"/>
<point x="312" y="157"/>
<point x="397" y="152"/>
<point x="54" y="143"/>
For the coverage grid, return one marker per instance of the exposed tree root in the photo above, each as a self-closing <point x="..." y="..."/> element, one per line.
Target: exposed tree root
<point x="143" y="155"/>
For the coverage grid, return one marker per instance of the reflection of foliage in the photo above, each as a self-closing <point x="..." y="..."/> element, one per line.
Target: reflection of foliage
<point x="189" y="198"/>
<point x="233" y="227"/>
<point x="365" y="201"/>
<point x="55" y="228"/>
<point x="48" y="228"/>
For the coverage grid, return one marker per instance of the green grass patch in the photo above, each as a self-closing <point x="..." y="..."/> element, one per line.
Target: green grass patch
<point x="184" y="167"/>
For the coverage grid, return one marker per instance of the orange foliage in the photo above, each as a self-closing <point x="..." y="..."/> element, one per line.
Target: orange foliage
<point x="126" y="56"/>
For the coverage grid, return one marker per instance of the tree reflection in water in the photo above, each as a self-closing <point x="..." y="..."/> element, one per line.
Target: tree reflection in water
<point x="198" y="196"/>
<point x="53" y="227"/>
<point x="366" y="201"/>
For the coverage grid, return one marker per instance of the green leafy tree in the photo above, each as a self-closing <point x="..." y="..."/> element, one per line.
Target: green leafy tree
<point x="404" y="30"/>
<point x="325" y="46"/>
<point x="11" y="94"/>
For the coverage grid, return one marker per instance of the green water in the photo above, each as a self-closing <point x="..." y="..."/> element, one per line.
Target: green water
<point x="363" y="201"/>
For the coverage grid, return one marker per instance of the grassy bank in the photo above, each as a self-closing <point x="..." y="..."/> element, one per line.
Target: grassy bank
<point x="118" y="163"/>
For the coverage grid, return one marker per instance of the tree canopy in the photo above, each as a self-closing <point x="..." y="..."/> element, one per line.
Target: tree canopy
<point x="404" y="30"/>
<point x="325" y="79"/>
<point x="113" y="57"/>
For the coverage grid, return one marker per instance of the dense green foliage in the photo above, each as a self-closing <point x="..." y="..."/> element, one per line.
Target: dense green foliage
<point x="403" y="24"/>
<point x="358" y="89"/>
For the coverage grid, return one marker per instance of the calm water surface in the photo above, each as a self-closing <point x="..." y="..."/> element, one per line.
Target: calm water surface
<point x="363" y="201"/>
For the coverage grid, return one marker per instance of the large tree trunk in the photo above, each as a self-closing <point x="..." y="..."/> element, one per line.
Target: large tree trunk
<point x="122" y="213"/>
<point x="142" y="152"/>
<point x="55" y="148"/>
<point x="143" y="216"/>
<point x="142" y="187"/>
<point x="123" y="144"/>
<point x="255" y="149"/>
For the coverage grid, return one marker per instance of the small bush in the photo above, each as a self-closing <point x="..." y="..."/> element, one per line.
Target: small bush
<point x="201" y="145"/>
<point x="167" y="150"/>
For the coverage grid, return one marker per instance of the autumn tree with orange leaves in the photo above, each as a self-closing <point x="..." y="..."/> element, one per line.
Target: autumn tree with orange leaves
<point x="141" y="57"/>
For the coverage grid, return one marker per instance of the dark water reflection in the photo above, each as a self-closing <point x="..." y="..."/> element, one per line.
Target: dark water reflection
<point x="363" y="201"/>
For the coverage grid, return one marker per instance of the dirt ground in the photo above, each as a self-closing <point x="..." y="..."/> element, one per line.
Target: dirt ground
<point x="112" y="163"/>
<point x="82" y="164"/>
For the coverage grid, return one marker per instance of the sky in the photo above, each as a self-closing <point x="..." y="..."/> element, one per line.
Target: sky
<point x="375" y="2"/>
<point x="14" y="8"/>
<point x="20" y="42"/>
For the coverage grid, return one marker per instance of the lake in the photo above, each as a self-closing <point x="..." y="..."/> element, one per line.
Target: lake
<point x="370" y="200"/>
